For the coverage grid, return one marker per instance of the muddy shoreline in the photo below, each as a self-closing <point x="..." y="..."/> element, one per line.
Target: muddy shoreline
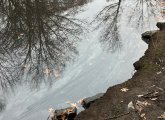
<point x="143" y="96"/>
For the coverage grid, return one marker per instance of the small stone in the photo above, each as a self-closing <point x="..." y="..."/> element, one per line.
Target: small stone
<point x="154" y="99"/>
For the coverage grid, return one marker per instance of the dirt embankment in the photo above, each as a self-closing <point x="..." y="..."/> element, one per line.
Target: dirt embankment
<point x="143" y="96"/>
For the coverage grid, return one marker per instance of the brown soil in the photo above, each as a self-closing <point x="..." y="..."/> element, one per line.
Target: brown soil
<point x="149" y="81"/>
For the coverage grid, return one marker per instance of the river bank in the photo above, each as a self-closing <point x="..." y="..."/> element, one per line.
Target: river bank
<point x="141" y="97"/>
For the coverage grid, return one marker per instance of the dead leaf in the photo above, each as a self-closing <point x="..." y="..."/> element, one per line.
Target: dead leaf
<point x="72" y="104"/>
<point x="162" y="116"/>
<point x="140" y="105"/>
<point x="142" y="115"/>
<point x="130" y="105"/>
<point x="154" y="99"/>
<point x="158" y="72"/>
<point x="51" y="111"/>
<point x="124" y="89"/>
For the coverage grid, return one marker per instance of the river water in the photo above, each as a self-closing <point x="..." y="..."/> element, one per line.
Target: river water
<point x="93" y="71"/>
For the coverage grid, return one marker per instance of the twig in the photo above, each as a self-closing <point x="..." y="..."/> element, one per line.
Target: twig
<point x="117" y="116"/>
<point x="148" y="93"/>
<point x="160" y="100"/>
<point x="150" y="96"/>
